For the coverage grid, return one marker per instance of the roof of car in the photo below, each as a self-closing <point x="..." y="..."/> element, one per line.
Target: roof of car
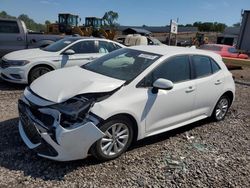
<point x="79" y="37"/>
<point x="76" y="38"/>
<point x="173" y="50"/>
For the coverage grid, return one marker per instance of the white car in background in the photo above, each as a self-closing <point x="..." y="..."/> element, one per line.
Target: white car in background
<point x="124" y="96"/>
<point x="24" y="66"/>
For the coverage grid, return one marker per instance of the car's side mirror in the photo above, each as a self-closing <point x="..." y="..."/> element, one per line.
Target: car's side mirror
<point x="69" y="52"/>
<point x="162" y="84"/>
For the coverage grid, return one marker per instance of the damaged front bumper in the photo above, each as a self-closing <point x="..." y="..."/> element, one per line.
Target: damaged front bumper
<point x="54" y="141"/>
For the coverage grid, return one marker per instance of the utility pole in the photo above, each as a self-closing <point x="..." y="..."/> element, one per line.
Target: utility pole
<point x="169" y="36"/>
<point x="173" y="29"/>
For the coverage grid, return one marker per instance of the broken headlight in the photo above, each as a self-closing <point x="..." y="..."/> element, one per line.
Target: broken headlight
<point x="74" y="110"/>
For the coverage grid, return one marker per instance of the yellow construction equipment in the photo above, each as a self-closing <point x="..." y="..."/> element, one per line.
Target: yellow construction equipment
<point x="68" y="24"/>
<point x="199" y="39"/>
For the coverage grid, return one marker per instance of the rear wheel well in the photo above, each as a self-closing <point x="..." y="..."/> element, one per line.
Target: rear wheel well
<point x="230" y="95"/>
<point x="132" y="119"/>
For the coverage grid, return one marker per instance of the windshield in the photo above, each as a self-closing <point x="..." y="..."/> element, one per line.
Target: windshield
<point x="59" y="45"/>
<point x="211" y="47"/>
<point x="155" y="41"/>
<point x="123" y="64"/>
<point x="232" y="50"/>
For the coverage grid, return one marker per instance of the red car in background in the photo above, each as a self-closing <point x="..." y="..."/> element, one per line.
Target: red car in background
<point x="224" y="50"/>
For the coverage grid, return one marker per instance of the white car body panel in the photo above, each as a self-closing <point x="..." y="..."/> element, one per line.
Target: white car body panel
<point x="78" y="81"/>
<point x="29" y="54"/>
<point x="55" y="60"/>
<point x="186" y="102"/>
<point x="72" y="144"/>
<point x="181" y="110"/>
<point x="204" y="97"/>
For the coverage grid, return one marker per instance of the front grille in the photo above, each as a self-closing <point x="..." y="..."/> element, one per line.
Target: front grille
<point x="46" y="119"/>
<point x="45" y="149"/>
<point x="4" y="64"/>
<point x="28" y="126"/>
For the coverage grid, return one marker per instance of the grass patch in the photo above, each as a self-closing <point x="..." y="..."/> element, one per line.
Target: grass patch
<point x="239" y="62"/>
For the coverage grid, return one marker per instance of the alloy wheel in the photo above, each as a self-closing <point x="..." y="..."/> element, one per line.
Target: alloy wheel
<point x="115" y="139"/>
<point x="221" y="108"/>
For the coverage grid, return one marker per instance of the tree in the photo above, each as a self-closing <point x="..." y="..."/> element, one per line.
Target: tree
<point x="110" y="18"/>
<point x="4" y="14"/>
<point x="31" y="24"/>
<point x="47" y="22"/>
<point x="236" y="24"/>
<point x="210" y="26"/>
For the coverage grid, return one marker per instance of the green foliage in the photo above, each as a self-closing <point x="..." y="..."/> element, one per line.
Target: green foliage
<point x="4" y="14"/>
<point x="47" y="22"/>
<point x="236" y="24"/>
<point x="30" y="23"/>
<point x="110" y="18"/>
<point x="210" y="26"/>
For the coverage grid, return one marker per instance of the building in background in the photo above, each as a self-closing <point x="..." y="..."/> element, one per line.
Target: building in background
<point x="229" y="36"/>
<point x="160" y="32"/>
<point x="243" y="42"/>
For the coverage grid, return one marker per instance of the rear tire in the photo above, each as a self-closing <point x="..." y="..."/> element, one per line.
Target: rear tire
<point x="221" y="108"/>
<point x="37" y="72"/>
<point x="117" y="139"/>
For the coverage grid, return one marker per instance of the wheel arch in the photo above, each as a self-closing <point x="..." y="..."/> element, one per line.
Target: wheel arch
<point x="230" y="95"/>
<point x="132" y="119"/>
<point x="39" y="65"/>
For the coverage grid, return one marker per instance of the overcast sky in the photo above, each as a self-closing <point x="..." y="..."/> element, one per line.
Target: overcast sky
<point x="133" y="12"/>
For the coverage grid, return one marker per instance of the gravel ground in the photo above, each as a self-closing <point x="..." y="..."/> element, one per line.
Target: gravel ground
<point x="243" y="74"/>
<point x="203" y="154"/>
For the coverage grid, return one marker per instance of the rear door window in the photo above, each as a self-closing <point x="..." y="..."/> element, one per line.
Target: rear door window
<point x="85" y="47"/>
<point x="106" y="47"/>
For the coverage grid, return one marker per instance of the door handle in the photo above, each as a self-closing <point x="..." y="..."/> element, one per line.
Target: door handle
<point x="218" y="82"/>
<point x="190" y="89"/>
<point x="19" y="39"/>
<point x="91" y="58"/>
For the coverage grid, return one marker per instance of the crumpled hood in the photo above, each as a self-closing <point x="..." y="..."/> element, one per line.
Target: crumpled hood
<point x="28" y="54"/>
<point x="60" y="85"/>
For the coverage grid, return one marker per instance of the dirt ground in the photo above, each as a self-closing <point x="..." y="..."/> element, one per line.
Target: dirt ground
<point x="202" y="154"/>
<point x="243" y="74"/>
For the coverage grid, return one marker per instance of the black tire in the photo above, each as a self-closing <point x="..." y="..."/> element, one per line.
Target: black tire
<point x="97" y="147"/>
<point x="37" y="72"/>
<point x="221" y="108"/>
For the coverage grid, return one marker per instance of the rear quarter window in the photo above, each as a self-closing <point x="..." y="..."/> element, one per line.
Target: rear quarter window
<point x="9" y="27"/>
<point x="215" y="66"/>
<point x="202" y="66"/>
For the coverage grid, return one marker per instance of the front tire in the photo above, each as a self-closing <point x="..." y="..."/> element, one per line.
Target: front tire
<point x="117" y="139"/>
<point x="221" y="108"/>
<point x="37" y="72"/>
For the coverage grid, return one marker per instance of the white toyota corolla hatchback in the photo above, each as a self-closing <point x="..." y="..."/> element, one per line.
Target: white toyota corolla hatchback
<point x="24" y="66"/>
<point x="127" y="95"/>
